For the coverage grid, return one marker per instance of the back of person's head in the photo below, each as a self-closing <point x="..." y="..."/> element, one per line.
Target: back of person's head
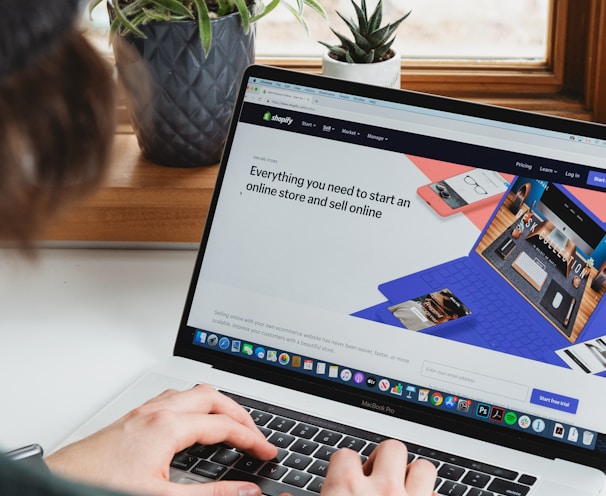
<point x="56" y="114"/>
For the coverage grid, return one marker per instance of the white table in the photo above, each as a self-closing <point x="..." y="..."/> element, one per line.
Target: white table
<point x="77" y="326"/>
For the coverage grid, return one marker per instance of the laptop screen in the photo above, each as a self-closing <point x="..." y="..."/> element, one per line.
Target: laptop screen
<point x="423" y="257"/>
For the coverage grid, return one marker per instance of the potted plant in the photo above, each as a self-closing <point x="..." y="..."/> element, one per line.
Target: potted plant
<point x="180" y="63"/>
<point x="369" y="57"/>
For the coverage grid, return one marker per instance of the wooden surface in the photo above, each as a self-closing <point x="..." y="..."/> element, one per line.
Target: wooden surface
<point x="141" y="201"/>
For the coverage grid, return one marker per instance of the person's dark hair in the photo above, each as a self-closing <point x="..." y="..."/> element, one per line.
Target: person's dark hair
<point x="57" y="112"/>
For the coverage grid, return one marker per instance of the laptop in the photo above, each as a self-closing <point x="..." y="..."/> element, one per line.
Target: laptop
<point x="321" y="222"/>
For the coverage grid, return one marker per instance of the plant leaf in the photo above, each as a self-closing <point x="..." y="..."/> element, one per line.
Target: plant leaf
<point x="244" y="14"/>
<point x="267" y="9"/>
<point x="350" y="24"/>
<point x="300" y="19"/>
<point x="204" y="25"/>
<point x="123" y="22"/>
<point x="91" y="7"/>
<point x="174" y="6"/>
<point x="316" y="7"/>
<point x="376" y="17"/>
<point x="223" y="7"/>
<point x="361" y="15"/>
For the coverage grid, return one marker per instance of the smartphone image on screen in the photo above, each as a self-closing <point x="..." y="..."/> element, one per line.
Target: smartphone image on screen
<point x="464" y="191"/>
<point x="430" y="310"/>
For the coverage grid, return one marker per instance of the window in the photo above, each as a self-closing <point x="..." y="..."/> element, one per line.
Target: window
<point x="436" y="29"/>
<point x="551" y="58"/>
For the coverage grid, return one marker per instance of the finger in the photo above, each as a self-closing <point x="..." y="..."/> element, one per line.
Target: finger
<point x="204" y="396"/>
<point x="199" y="399"/>
<point x="220" y="403"/>
<point x="344" y="472"/>
<point x="388" y="461"/>
<point x="420" y="478"/>
<point x="217" y="428"/>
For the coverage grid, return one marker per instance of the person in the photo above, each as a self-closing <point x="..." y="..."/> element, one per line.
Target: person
<point x="56" y="128"/>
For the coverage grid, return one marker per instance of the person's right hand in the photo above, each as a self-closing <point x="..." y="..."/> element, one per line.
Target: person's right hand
<point x="385" y="473"/>
<point x="134" y="453"/>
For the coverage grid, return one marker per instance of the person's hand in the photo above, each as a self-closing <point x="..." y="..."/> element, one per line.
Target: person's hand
<point x="384" y="473"/>
<point x="134" y="453"/>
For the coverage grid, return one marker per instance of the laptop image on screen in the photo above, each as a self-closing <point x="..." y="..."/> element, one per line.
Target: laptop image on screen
<point x="309" y="304"/>
<point x="527" y="279"/>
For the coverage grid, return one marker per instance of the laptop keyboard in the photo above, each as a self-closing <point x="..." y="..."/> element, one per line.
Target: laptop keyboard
<point x="305" y="445"/>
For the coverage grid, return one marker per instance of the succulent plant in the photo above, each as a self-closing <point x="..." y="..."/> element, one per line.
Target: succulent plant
<point x="371" y="41"/>
<point x="128" y="15"/>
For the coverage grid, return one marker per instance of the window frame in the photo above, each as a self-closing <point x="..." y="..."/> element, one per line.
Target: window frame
<point x="568" y="83"/>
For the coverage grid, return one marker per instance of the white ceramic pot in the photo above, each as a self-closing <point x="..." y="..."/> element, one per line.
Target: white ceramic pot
<point x="386" y="73"/>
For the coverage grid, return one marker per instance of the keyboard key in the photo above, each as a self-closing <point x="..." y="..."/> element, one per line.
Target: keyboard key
<point x="476" y="479"/>
<point x="265" y="431"/>
<point x="226" y="457"/>
<point x="297" y="461"/>
<point x="249" y="464"/>
<point x="352" y="443"/>
<point x="183" y="461"/>
<point x="451" y="472"/>
<point x="451" y="488"/>
<point x="282" y="453"/>
<point x="479" y="492"/>
<point x="316" y="485"/>
<point x="324" y="452"/>
<point x="435" y="462"/>
<point x="281" y="440"/>
<point x="260" y="418"/>
<point x="328" y="437"/>
<point x="281" y="424"/>
<point x="305" y="431"/>
<point x="209" y="469"/>
<point x="529" y="480"/>
<point x="304" y="446"/>
<point x="369" y="449"/>
<point x="297" y="478"/>
<point x="438" y="482"/>
<point x="507" y="487"/>
<point x="202" y="451"/>
<point x="273" y="471"/>
<point x="319" y="467"/>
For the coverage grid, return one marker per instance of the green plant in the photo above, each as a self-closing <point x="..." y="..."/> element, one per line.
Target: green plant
<point x="128" y="15"/>
<point x="371" y="41"/>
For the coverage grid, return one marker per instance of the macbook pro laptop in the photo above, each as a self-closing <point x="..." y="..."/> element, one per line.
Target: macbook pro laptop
<point x="306" y="307"/>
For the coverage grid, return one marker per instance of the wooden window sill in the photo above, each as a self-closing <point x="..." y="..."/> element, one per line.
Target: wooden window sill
<point x="140" y="202"/>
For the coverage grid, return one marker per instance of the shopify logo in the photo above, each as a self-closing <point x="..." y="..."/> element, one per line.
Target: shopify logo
<point x="276" y="118"/>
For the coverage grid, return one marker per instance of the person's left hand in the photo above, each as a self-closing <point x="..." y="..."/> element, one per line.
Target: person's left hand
<point x="134" y="453"/>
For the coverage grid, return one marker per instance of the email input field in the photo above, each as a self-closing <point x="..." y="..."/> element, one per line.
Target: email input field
<point x="473" y="380"/>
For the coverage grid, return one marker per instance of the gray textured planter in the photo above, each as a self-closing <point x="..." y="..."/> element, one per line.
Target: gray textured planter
<point x="179" y="100"/>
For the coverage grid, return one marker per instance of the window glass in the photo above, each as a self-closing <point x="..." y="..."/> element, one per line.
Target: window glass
<point x="494" y="29"/>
